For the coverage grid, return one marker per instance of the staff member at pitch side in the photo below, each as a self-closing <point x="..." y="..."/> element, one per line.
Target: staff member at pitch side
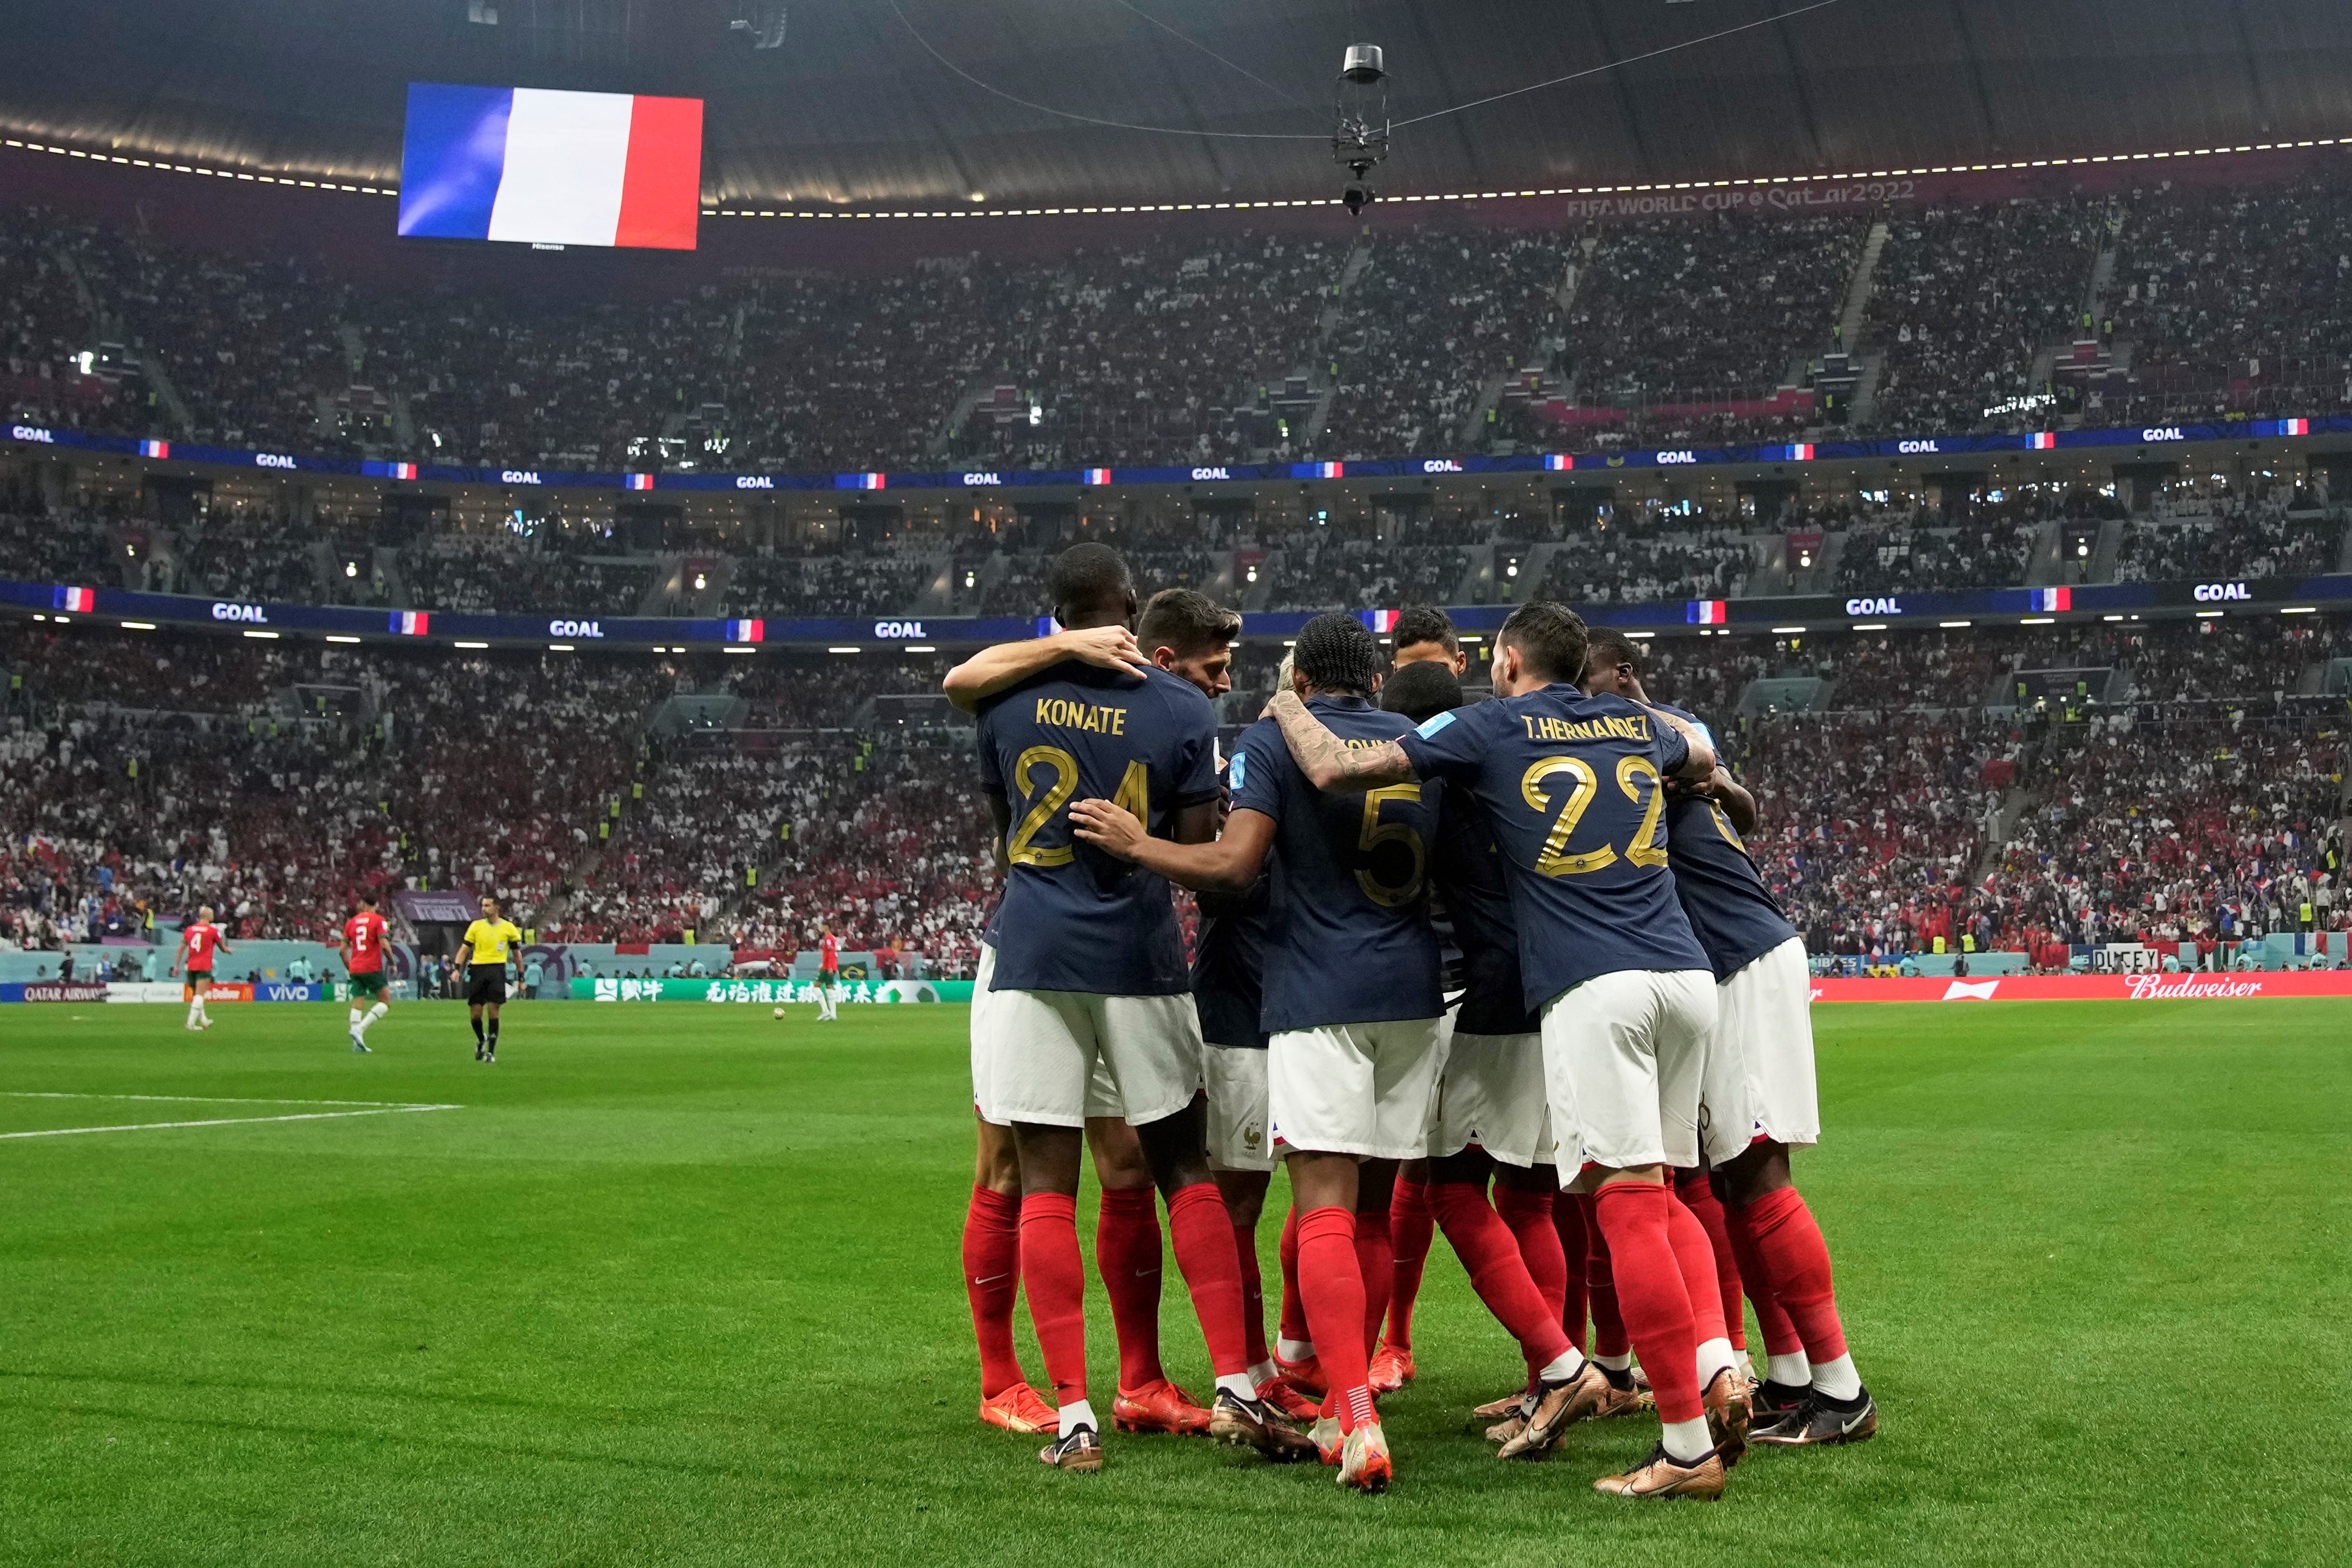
<point x="488" y="942"/>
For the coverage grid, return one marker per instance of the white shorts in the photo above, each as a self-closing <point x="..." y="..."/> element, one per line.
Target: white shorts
<point x="1759" y="1081"/>
<point x="1492" y="1094"/>
<point x="1238" y="1135"/>
<point x="1055" y="1058"/>
<point x="1623" y="1055"/>
<point x="1356" y="1089"/>
<point x="1102" y="1094"/>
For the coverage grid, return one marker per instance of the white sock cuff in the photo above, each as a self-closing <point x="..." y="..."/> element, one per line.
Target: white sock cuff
<point x="1238" y="1384"/>
<point x="1081" y="1414"/>
<point x="1791" y="1371"/>
<point x="1686" y="1441"/>
<point x="1563" y="1368"/>
<point x="1837" y="1378"/>
<point x="1714" y="1356"/>
<point x="1294" y="1350"/>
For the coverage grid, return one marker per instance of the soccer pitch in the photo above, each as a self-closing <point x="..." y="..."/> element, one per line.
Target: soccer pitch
<point x="680" y="1284"/>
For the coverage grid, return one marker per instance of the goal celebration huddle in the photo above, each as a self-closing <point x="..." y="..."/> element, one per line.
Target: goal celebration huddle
<point x="1499" y="971"/>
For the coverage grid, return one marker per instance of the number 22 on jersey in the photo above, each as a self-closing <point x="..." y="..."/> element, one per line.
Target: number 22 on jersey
<point x="1642" y="849"/>
<point x="1048" y="776"/>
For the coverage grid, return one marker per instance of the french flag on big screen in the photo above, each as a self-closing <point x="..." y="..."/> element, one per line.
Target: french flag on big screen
<point x="1558" y="462"/>
<point x="411" y="623"/>
<point x="83" y="599"/>
<point x="2052" y="598"/>
<point x="2045" y="441"/>
<point x="1096" y="477"/>
<point x="400" y="470"/>
<point x="640" y="481"/>
<point x="1330" y="470"/>
<point x="747" y="631"/>
<point x="1709" y="612"/>
<point x="860" y="481"/>
<point x="537" y="166"/>
<point x="1381" y="621"/>
<point x="154" y="449"/>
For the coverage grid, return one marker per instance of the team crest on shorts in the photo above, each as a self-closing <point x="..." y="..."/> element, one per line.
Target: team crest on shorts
<point x="1252" y="1135"/>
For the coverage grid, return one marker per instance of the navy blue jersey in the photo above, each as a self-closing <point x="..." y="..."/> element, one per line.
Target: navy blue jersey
<point x="1229" y="966"/>
<point x="1730" y="912"/>
<point x="1474" y="893"/>
<point x="1348" y="929"/>
<point x="1073" y="918"/>
<point x="1570" y="784"/>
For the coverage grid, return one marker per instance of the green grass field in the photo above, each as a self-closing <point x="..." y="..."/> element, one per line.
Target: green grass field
<point x="681" y="1285"/>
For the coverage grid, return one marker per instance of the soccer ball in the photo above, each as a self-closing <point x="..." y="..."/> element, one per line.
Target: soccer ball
<point x="780" y="1012"/>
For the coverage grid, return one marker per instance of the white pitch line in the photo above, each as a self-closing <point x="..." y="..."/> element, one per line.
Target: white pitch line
<point x="196" y="1098"/>
<point x="377" y="1110"/>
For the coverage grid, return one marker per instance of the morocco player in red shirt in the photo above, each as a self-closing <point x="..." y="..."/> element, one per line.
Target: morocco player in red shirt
<point x="828" y="975"/>
<point x="364" y="939"/>
<point x="199" y="941"/>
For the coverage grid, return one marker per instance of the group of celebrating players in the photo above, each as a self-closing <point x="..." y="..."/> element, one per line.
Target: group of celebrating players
<point x="1440" y="944"/>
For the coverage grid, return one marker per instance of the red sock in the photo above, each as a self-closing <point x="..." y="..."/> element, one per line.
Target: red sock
<point x="991" y="1278"/>
<point x="1127" y="1255"/>
<point x="1797" y="1266"/>
<point x="1376" y="1264"/>
<point x="1294" y="1306"/>
<point x="1253" y="1293"/>
<point x="1529" y="1216"/>
<point x="1333" y="1287"/>
<point x="1781" y="1336"/>
<point x="1695" y="1259"/>
<point x="1410" y="1228"/>
<point x="1568" y="1222"/>
<point x="1203" y="1235"/>
<point x="1637" y="1218"/>
<point x="1056" y="1281"/>
<point x="1609" y="1336"/>
<point x="1498" y="1270"/>
<point x="1698" y="1196"/>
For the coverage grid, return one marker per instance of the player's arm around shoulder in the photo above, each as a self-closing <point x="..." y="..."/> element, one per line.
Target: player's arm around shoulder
<point x="1329" y="763"/>
<point x="1699" y="760"/>
<point x="995" y="670"/>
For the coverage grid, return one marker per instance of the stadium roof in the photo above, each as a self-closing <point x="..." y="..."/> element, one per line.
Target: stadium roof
<point x="878" y="101"/>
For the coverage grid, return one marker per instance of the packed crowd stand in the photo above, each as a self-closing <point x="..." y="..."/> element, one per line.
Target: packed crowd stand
<point x="142" y="774"/>
<point x="1171" y="349"/>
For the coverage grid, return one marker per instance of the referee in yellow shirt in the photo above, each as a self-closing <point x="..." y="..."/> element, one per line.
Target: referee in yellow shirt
<point x="484" y="953"/>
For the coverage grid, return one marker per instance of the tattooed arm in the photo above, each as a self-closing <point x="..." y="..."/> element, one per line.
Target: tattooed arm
<point x="1700" y="764"/>
<point x="1328" y="763"/>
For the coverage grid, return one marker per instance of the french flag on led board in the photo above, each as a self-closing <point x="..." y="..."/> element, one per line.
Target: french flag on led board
<point x="2051" y="598"/>
<point x="392" y="471"/>
<point x="1096" y="477"/>
<point x="747" y="631"/>
<point x="154" y="449"/>
<point x="411" y="623"/>
<point x="1381" y="621"/>
<point x="1558" y="462"/>
<point x="81" y="599"/>
<point x="1708" y="613"/>
<point x="640" y="481"/>
<point x="541" y="168"/>
<point x="860" y="481"/>
<point x="2044" y="441"/>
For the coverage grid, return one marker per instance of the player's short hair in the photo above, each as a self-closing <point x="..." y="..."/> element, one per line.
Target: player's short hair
<point x="1188" y="621"/>
<point x="1336" y="652"/>
<point x="1420" y="691"/>
<point x="1550" y="638"/>
<point x="368" y="898"/>
<point x="1420" y="624"/>
<point x="1615" y="647"/>
<point x="1086" y="576"/>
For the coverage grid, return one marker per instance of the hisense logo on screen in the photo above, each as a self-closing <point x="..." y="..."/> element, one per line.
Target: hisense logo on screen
<point x="534" y="166"/>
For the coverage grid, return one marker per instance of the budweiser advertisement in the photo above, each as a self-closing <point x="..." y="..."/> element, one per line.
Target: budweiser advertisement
<point x="2093" y="987"/>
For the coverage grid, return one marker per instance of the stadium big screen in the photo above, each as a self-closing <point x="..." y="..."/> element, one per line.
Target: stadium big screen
<point x="534" y="166"/>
